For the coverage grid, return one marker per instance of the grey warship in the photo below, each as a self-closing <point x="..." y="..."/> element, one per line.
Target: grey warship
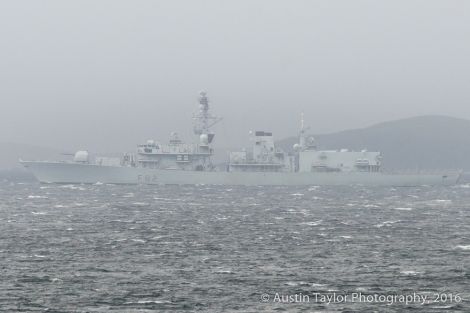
<point x="177" y="162"/>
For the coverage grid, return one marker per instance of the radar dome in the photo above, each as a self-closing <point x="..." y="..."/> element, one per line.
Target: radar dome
<point x="296" y="147"/>
<point x="204" y="139"/>
<point x="81" y="157"/>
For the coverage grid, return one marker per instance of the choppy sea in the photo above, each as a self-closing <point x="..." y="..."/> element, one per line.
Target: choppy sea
<point x="107" y="248"/>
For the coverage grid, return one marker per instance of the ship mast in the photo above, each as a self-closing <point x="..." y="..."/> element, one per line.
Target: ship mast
<point x="203" y="120"/>
<point x="302" y="132"/>
<point x="304" y="142"/>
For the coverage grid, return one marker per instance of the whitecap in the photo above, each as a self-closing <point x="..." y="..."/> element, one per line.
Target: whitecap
<point x="40" y="256"/>
<point x="158" y="237"/>
<point x="404" y="209"/>
<point x="291" y="283"/>
<point x="462" y="247"/>
<point x="39" y="213"/>
<point x="37" y="197"/>
<point x="297" y="194"/>
<point x="140" y="203"/>
<point x="315" y="223"/>
<point x="139" y="240"/>
<point x="438" y="202"/>
<point x="194" y="204"/>
<point x="73" y="187"/>
<point x="386" y="223"/>
<point x="410" y="273"/>
<point x="292" y="211"/>
<point x="148" y="302"/>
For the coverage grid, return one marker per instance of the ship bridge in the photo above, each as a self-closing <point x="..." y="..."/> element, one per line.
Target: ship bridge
<point x="177" y="154"/>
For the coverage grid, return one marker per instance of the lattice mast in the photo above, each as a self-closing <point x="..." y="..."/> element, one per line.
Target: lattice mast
<point x="204" y="120"/>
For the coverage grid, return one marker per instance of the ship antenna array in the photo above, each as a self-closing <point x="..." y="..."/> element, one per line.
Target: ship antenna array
<point x="302" y="124"/>
<point x="302" y="139"/>
<point x="203" y="119"/>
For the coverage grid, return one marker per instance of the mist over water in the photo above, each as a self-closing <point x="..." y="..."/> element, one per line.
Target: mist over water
<point x="100" y="248"/>
<point x="107" y="75"/>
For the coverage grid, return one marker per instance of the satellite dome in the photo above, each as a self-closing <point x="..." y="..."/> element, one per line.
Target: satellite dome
<point x="204" y="139"/>
<point x="81" y="157"/>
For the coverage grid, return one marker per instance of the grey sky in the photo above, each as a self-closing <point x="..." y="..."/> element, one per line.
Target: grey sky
<point x="106" y="75"/>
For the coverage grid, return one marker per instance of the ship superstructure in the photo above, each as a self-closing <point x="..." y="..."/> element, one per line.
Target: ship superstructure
<point x="176" y="154"/>
<point x="266" y="157"/>
<point x="263" y="157"/>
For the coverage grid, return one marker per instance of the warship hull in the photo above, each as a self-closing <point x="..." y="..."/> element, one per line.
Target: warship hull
<point x="63" y="172"/>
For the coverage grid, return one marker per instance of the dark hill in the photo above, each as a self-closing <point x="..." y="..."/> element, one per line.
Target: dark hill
<point x="425" y="142"/>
